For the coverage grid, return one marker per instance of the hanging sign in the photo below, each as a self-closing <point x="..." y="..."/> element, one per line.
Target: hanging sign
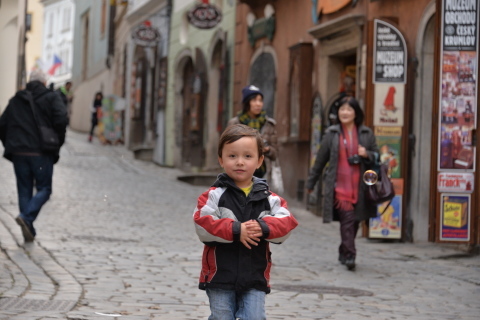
<point x="458" y="85"/>
<point x="390" y="54"/>
<point x="204" y="16"/>
<point x="145" y="35"/>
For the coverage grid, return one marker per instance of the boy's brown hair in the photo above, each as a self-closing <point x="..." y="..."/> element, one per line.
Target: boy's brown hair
<point x="237" y="131"/>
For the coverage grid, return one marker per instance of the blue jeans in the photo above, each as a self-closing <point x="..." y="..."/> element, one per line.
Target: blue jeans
<point x="32" y="171"/>
<point x="232" y="305"/>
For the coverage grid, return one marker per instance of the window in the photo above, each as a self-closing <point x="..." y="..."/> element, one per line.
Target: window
<point x="66" y="18"/>
<point x="50" y="25"/>
<point x="28" y="22"/>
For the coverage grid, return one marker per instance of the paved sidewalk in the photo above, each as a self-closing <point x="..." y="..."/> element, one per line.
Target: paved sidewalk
<point x="116" y="241"/>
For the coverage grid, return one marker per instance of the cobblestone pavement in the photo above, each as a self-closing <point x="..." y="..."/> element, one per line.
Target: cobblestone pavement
<point x="116" y="241"/>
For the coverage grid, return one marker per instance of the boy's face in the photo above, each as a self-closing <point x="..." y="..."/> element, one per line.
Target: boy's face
<point x="240" y="159"/>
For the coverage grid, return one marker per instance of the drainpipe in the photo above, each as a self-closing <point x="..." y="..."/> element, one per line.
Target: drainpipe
<point x="21" y="72"/>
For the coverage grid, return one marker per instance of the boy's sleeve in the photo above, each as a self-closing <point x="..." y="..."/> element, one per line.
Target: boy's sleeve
<point x="210" y="225"/>
<point x="279" y="222"/>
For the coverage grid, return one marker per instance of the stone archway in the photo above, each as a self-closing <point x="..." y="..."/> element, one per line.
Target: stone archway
<point x="419" y="204"/>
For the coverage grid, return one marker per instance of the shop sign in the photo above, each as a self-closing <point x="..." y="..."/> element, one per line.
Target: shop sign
<point x="455" y="217"/>
<point x="204" y="16"/>
<point x="390" y="54"/>
<point x="458" y="85"/>
<point x="145" y="35"/>
<point x="455" y="182"/>
<point x="460" y="25"/>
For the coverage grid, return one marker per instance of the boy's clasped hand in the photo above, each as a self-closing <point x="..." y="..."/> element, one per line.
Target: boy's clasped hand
<point x="250" y="233"/>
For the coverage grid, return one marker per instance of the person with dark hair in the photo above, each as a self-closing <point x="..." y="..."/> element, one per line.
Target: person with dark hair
<point x="96" y="108"/>
<point x="255" y="117"/>
<point x="237" y="218"/>
<point x="20" y="123"/>
<point x="350" y="149"/>
<point x="67" y="97"/>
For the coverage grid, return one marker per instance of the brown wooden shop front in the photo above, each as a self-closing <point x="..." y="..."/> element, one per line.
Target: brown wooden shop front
<point x="360" y="49"/>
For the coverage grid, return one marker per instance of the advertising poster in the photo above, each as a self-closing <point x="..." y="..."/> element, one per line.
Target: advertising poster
<point x="455" y="182"/>
<point x="459" y="76"/>
<point x="110" y="124"/>
<point x="455" y="217"/>
<point x="390" y="152"/>
<point x="389" y="224"/>
<point x="388" y="104"/>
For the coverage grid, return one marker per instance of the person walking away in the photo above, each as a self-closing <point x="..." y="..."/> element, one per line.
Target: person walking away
<point x="254" y="116"/>
<point x="97" y="104"/>
<point x="67" y="97"/>
<point x="237" y="219"/>
<point x="20" y="136"/>
<point x="350" y="149"/>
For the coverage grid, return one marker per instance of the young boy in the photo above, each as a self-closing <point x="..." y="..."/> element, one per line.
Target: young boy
<point x="236" y="219"/>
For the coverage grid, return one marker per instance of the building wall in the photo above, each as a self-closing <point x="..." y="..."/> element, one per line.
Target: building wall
<point x="90" y="73"/>
<point x="33" y="47"/>
<point x="58" y="28"/>
<point x="184" y="39"/>
<point x="293" y="20"/>
<point x="144" y="116"/>
<point x="12" y="17"/>
<point x="410" y="17"/>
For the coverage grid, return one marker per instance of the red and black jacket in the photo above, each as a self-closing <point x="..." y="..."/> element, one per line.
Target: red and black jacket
<point x="226" y="262"/>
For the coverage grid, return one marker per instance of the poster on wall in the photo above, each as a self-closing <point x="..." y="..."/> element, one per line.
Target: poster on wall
<point x="389" y="224"/>
<point x="388" y="104"/>
<point x="390" y="151"/>
<point x="459" y="76"/>
<point x="455" y="182"/>
<point x="455" y="217"/>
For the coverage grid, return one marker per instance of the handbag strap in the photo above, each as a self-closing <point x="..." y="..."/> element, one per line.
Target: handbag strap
<point x="386" y="207"/>
<point x="33" y="105"/>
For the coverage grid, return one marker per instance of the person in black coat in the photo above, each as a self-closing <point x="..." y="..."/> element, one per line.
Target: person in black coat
<point x="349" y="148"/>
<point x="20" y="135"/>
<point x="97" y="105"/>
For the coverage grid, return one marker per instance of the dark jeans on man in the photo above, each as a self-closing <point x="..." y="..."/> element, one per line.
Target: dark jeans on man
<point x="30" y="171"/>
<point x="348" y="232"/>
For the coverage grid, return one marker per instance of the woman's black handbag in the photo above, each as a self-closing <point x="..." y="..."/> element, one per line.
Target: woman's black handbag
<point x="383" y="190"/>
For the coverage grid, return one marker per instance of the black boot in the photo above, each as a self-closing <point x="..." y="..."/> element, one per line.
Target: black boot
<point x="350" y="263"/>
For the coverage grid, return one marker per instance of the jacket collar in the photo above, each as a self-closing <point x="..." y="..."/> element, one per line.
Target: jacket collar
<point x="223" y="180"/>
<point x="36" y="88"/>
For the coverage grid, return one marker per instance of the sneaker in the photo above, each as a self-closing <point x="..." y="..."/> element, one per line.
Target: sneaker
<point x="350" y="263"/>
<point x="27" y="233"/>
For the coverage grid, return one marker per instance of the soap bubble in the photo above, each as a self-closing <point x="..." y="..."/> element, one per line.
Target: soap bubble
<point x="370" y="177"/>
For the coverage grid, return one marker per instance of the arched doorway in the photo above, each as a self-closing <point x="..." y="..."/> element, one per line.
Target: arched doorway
<point x="263" y="75"/>
<point x="138" y="99"/>
<point x="418" y="206"/>
<point x="190" y="120"/>
<point x="193" y="92"/>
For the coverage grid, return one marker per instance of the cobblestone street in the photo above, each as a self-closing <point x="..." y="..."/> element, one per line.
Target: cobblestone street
<point x="116" y="241"/>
